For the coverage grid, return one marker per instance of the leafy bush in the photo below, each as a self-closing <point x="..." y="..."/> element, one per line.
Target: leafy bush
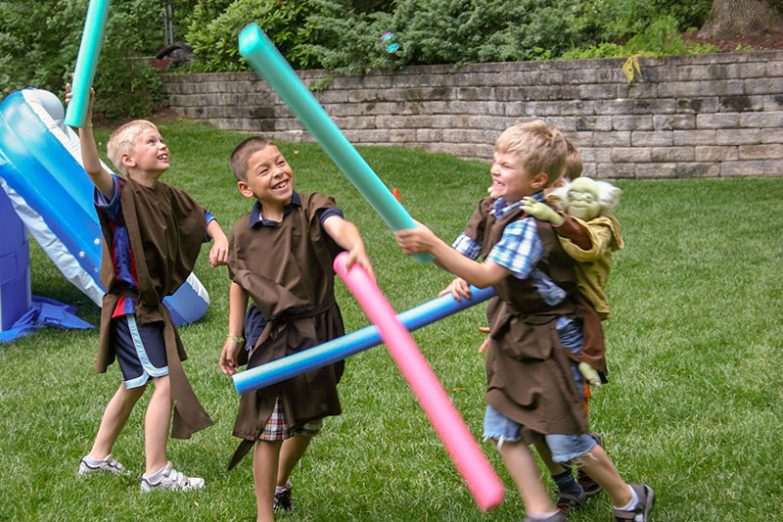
<point x="661" y="37"/>
<point x="213" y="33"/>
<point x="39" y="44"/>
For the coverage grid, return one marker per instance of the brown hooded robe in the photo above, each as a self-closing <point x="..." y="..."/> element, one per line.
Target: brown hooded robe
<point x="166" y="229"/>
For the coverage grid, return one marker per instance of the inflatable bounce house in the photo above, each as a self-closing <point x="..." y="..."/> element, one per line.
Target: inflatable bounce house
<point x="46" y="191"/>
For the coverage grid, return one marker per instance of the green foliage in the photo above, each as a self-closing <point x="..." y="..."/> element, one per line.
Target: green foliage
<point x="39" y="44"/>
<point x="213" y="30"/>
<point x="659" y="38"/>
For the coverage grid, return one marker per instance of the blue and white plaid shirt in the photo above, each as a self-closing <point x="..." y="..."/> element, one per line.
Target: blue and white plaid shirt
<point x="519" y="250"/>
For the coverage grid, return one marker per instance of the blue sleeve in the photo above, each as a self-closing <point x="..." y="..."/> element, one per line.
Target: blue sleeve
<point x="466" y="246"/>
<point x="328" y="212"/>
<point x="110" y="205"/>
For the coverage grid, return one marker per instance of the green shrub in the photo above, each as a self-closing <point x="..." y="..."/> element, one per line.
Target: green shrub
<point x="213" y="33"/>
<point x="39" y="44"/>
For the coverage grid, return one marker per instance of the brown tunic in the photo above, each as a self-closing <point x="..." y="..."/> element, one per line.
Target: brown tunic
<point x="166" y="229"/>
<point x="287" y="271"/>
<point x="529" y="376"/>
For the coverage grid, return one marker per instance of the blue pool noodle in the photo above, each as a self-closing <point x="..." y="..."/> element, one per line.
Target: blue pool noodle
<point x="86" y="62"/>
<point x="360" y="340"/>
<point x="264" y="57"/>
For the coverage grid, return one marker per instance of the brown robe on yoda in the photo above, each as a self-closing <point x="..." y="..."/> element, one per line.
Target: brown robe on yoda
<point x="287" y="270"/>
<point x="166" y="229"/>
<point x="529" y="374"/>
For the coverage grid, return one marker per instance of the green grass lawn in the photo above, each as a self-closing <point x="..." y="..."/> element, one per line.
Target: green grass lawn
<point x="693" y="408"/>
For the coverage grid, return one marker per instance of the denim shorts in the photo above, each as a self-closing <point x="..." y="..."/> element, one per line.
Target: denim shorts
<point x="563" y="447"/>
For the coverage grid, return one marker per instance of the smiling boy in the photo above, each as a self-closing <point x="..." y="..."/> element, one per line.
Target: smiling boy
<point x="533" y="388"/>
<point x="280" y="255"/>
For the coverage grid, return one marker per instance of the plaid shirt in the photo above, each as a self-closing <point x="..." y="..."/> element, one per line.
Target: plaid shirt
<point x="519" y="250"/>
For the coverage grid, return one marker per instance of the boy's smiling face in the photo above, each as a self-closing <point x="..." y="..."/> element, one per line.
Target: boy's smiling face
<point x="269" y="178"/>
<point x="510" y="178"/>
<point x="149" y="155"/>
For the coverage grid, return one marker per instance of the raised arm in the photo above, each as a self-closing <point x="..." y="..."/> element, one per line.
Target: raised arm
<point x="422" y="239"/>
<point x="90" y="159"/>
<point x="347" y="235"/>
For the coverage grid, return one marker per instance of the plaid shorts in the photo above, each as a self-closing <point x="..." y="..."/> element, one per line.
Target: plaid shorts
<point x="275" y="428"/>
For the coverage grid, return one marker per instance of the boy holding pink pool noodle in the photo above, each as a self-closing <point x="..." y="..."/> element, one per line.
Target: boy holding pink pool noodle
<point x="281" y="255"/>
<point x="534" y="390"/>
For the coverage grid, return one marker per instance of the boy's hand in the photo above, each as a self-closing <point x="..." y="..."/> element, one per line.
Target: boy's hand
<point x="415" y="240"/>
<point x="357" y="255"/>
<point x="218" y="254"/>
<point x="485" y="343"/>
<point x="541" y="211"/>
<point x="458" y="288"/>
<point x="69" y="96"/>
<point x="228" y="357"/>
<point x="590" y="374"/>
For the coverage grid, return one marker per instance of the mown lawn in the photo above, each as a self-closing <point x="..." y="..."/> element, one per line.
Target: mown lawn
<point x="693" y="407"/>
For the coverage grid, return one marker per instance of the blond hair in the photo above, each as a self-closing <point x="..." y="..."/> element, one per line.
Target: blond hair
<point x="541" y="147"/>
<point x="121" y="141"/>
<point x="242" y="153"/>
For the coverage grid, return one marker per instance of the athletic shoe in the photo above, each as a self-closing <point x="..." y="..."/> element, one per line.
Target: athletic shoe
<point x="283" y="500"/>
<point x="169" y="479"/>
<point x="642" y="510"/>
<point x="557" y="517"/>
<point x="108" y="464"/>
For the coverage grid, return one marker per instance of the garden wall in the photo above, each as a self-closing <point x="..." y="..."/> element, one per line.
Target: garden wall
<point x="718" y="115"/>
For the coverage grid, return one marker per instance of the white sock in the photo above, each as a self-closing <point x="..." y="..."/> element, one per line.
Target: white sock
<point x="632" y="504"/>
<point x="156" y="476"/>
<point x="542" y="516"/>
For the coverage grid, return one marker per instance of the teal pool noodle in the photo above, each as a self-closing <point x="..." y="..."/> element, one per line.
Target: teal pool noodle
<point x="86" y="62"/>
<point x="267" y="61"/>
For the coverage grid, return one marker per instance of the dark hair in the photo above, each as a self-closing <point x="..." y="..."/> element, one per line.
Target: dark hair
<point x="242" y="153"/>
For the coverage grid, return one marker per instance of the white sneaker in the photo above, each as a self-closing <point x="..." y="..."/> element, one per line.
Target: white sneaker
<point x="108" y="464"/>
<point x="169" y="479"/>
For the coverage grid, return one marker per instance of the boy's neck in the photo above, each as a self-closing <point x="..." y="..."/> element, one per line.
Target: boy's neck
<point x="148" y="179"/>
<point x="272" y="211"/>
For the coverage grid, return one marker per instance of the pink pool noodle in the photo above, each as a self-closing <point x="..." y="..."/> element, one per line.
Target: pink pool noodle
<point x="480" y="477"/>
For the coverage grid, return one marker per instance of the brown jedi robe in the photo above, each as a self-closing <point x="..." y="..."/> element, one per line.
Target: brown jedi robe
<point x="529" y="376"/>
<point x="287" y="271"/>
<point x="166" y="229"/>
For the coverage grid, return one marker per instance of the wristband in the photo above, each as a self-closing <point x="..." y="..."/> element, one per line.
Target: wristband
<point x="239" y="340"/>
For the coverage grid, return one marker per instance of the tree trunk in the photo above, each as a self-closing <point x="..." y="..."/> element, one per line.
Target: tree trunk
<point x="740" y="18"/>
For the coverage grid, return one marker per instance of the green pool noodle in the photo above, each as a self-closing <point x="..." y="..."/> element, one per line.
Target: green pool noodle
<point x="267" y="61"/>
<point x="86" y="62"/>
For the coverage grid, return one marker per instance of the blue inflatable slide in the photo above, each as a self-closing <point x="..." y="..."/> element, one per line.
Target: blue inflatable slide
<point x="42" y="177"/>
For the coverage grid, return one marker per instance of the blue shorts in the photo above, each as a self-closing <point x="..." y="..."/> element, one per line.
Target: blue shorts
<point x="563" y="447"/>
<point x="141" y="352"/>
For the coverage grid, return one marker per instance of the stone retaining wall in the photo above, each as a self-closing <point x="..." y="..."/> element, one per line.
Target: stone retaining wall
<point x="718" y="115"/>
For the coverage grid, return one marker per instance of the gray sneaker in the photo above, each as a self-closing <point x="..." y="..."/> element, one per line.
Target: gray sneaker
<point x="641" y="511"/>
<point x="169" y="479"/>
<point x="108" y="464"/>
<point x="557" y="517"/>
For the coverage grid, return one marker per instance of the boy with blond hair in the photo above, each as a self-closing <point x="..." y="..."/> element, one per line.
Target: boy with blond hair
<point x="534" y="389"/>
<point x="281" y="256"/>
<point x="152" y="234"/>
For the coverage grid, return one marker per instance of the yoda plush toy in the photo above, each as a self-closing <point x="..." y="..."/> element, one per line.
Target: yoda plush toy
<point x="590" y="203"/>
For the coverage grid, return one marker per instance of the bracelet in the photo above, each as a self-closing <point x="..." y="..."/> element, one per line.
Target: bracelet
<point x="239" y="340"/>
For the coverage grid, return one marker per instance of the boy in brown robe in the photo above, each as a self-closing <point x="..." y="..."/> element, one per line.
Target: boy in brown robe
<point x="152" y="235"/>
<point x="533" y="387"/>
<point x="280" y="256"/>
